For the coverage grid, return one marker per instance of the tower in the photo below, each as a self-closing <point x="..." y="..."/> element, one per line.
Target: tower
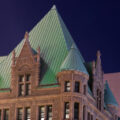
<point x="73" y="80"/>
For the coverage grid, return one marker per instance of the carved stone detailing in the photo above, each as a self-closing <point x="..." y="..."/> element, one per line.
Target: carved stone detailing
<point x="25" y="63"/>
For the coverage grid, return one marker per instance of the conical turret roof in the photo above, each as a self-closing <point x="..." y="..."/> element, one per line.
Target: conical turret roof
<point x="109" y="97"/>
<point x="73" y="61"/>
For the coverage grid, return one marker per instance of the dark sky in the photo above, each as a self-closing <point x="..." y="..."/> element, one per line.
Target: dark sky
<point x="94" y="25"/>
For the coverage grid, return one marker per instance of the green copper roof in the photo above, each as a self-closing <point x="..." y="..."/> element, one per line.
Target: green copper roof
<point x="73" y="61"/>
<point x="54" y="40"/>
<point x="108" y="96"/>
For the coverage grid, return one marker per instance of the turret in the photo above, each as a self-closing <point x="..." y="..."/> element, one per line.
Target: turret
<point x="73" y="79"/>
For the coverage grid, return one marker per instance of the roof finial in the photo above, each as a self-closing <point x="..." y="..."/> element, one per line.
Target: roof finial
<point x="53" y="7"/>
<point x="98" y="54"/>
<point x="26" y="36"/>
<point x="93" y="67"/>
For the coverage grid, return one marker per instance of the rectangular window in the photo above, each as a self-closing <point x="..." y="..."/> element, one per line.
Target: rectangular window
<point x="42" y="113"/>
<point x="28" y="88"/>
<point x="49" y="112"/>
<point x="27" y="77"/>
<point x="76" y="111"/>
<point x="84" y="88"/>
<point x="84" y="112"/>
<point x="88" y="116"/>
<point x="91" y="117"/>
<point x="67" y="86"/>
<point x="6" y="114"/>
<point x="28" y="114"/>
<point x="77" y="86"/>
<point x="67" y="111"/>
<point x="20" y="114"/>
<point x="21" y="89"/>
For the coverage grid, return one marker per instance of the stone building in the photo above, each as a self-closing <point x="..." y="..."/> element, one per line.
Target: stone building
<point x="46" y="78"/>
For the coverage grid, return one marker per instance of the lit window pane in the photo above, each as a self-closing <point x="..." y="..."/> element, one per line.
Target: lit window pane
<point x="67" y="86"/>
<point x="20" y="113"/>
<point x="28" y="114"/>
<point x="21" y="78"/>
<point x="21" y="90"/>
<point x="42" y="113"/>
<point x="67" y="110"/>
<point x="49" y="112"/>
<point x="28" y="89"/>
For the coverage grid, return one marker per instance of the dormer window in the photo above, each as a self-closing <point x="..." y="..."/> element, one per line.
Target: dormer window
<point x="67" y="86"/>
<point x="24" y="85"/>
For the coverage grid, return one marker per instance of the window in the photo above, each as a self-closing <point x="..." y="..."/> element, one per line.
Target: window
<point x="91" y="117"/>
<point x="77" y="86"/>
<point x="24" y="85"/>
<point x="20" y="114"/>
<point x="84" y="112"/>
<point x="28" y="114"/>
<point x="67" y="86"/>
<point x="45" y="112"/>
<point x="21" y="89"/>
<point x="49" y="112"/>
<point x="28" y="89"/>
<point x="76" y="111"/>
<point x="42" y="113"/>
<point x="99" y="99"/>
<point x="84" y="89"/>
<point x="67" y="111"/>
<point x="6" y="114"/>
<point x="88" y="116"/>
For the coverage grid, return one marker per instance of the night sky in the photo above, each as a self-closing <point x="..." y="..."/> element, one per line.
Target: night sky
<point x="94" y="25"/>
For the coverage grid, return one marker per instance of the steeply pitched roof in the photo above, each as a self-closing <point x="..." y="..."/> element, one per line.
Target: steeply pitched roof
<point x="109" y="97"/>
<point x="54" y="40"/>
<point x="73" y="61"/>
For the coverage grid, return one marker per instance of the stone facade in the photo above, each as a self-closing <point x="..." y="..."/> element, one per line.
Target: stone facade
<point x="29" y="63"/>
<point x="77" y="95"/>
